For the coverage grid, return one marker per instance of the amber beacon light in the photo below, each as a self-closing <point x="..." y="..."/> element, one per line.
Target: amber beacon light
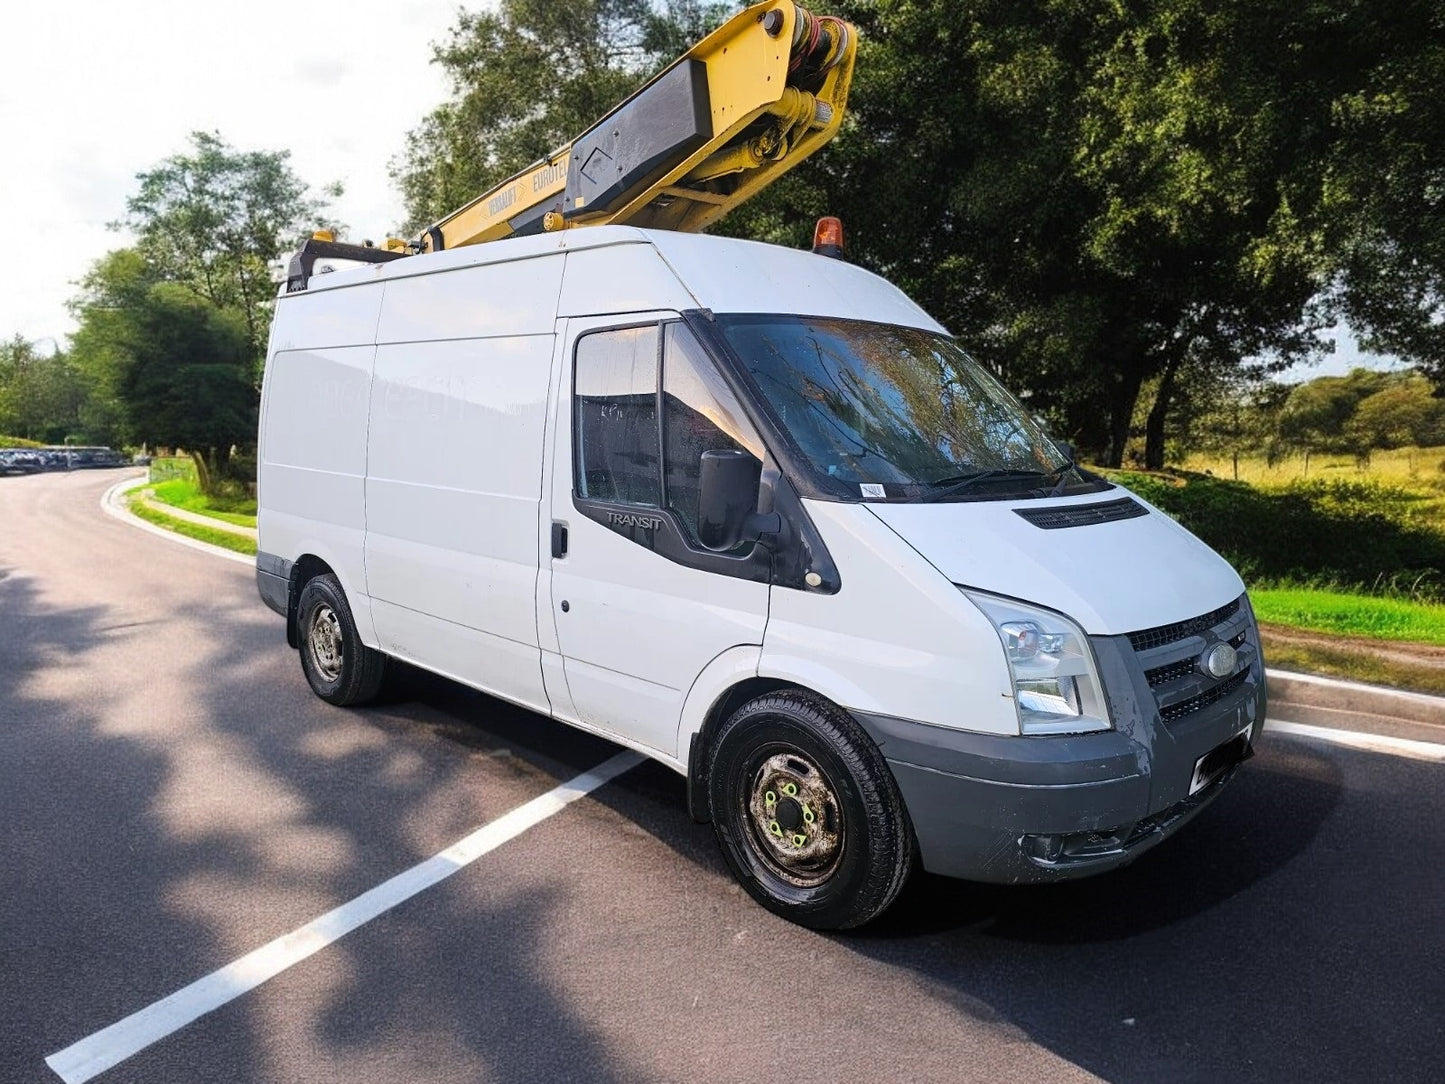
<point x="828" y="237"/>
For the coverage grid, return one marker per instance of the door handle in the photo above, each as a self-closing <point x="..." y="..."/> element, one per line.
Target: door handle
<point x="559" y="539"/>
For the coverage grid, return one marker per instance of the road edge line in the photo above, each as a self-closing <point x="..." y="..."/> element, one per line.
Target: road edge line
<point x="111" y="505"/>
<point x="112" y="1045"/>
<point x="1358" y="686"/>
<point x="1358" y="739"/>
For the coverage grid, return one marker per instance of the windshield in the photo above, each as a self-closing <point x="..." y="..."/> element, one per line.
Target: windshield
<point x="894" y="411"/>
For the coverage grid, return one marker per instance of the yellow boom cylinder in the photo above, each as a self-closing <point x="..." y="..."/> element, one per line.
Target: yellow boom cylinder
<point x="738" y="110"/>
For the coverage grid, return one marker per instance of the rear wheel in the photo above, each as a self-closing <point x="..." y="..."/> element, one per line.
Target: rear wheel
<point x="339" y="667"/>
<point x="807" y="813"/>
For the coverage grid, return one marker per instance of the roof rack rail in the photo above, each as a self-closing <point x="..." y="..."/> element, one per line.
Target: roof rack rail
<point x="298" y="274"/>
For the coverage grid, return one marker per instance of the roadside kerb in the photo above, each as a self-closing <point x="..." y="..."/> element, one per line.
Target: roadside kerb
<point x="1350" y="705"/>
<point x="112" y="503"/>
<point x="199" y="518"/>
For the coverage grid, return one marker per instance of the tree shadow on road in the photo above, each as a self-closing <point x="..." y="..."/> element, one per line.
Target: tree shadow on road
<point x="91" y="930"/>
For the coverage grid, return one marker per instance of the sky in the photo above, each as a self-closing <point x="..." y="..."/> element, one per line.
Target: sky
<point x="93" y="92"/>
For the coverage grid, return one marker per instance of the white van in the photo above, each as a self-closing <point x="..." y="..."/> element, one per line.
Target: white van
<point x="752" y="512"/>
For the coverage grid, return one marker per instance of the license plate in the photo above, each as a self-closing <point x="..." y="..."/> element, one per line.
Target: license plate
<point x="1219" y="760"/>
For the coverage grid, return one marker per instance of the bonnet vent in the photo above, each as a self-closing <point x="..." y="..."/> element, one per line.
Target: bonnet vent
<point x="1081" y="515"/>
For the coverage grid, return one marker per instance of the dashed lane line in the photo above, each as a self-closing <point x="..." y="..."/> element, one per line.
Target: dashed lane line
<point x="110" y="1046"/>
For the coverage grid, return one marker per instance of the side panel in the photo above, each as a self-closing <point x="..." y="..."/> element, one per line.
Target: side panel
<point x="312" y="461"/>
<point x="455" y="472"/>
<point x="514" y="297"/>
<point x="898" y="639"/>
<point x="620" y="278"/>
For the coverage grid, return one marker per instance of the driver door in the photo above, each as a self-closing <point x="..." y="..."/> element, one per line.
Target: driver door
<point x="640" y="607"/>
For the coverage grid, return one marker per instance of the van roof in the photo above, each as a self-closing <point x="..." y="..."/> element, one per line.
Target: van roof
<point x="724" y="274"/>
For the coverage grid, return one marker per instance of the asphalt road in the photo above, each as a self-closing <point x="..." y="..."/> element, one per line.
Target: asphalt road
<point x="172" y="796"/>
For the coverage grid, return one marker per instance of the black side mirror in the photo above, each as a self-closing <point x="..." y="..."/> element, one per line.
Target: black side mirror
<point x="1066" y="448"/>
<point x="728" y="500"/>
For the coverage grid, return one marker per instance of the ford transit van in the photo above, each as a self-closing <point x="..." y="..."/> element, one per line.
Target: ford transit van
<point x="752" y="512"/>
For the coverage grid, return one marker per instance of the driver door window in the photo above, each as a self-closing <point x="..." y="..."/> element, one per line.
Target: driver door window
<point x="616" y="414"/>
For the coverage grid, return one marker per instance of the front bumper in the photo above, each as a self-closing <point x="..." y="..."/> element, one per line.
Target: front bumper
<point x="1028" y="809"/>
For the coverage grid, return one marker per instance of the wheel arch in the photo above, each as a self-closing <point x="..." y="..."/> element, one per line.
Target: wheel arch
<point x="728" y="701"/>
<point x="306" y="568"/>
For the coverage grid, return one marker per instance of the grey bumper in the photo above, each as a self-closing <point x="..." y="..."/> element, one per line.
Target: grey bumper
<point x="273" y="582"/>
<point x="1023" y="809"/>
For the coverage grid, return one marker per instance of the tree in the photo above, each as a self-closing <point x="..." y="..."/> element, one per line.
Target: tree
<point x="527" y="78"/>
<point x="178" y="369"/>
<point x="1397" y="416"/>
<point x="1093" y="198"/>
<point x="1315" y="416"/>
<point x="41" y="395"/>
<point x="213" y="220"/>
<point x="1385" y="180"/>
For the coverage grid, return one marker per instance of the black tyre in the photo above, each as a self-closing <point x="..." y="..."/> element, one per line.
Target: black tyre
<point x="340" y="668"/>
<point x="807" y="813"/>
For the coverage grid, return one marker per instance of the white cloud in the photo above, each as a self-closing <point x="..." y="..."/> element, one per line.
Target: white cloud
<point x="93" y="92"/>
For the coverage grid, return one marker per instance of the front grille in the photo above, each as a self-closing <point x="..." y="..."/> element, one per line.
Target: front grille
<point x="1204" y="699"/>
<point x="1081" y="515"/>
<point x="1162" y="675"/>
<point x="1147" y="639"/>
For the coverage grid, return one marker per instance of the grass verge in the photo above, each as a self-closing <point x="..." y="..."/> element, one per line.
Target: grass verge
<point x="1285" y="653"/>
<point x="1343" y="614"/>
<point x="183" y="493"/>
<point x="18" y="442"/>
<point x="216" y="536"/>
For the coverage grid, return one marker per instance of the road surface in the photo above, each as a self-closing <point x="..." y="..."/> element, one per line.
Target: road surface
<point x="173" y="797"/>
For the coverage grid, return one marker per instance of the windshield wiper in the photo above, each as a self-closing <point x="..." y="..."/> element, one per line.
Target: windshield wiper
<point x="948" y="487"/>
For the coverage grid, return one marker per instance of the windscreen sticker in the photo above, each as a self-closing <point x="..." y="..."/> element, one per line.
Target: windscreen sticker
<point x="871" y="489"/>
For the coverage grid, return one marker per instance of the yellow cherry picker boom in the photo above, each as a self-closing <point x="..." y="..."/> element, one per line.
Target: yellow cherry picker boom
<point x="718" y="125"/>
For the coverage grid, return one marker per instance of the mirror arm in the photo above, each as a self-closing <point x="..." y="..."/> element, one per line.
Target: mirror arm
<point x="761" y="524"/>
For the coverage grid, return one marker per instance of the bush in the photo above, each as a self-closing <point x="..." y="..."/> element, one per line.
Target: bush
<point x="1357" y="536"/>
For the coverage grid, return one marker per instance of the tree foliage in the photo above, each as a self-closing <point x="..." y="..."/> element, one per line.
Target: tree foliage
<point x="212" y="219"/>
<point x="41" y="395"/>
<point x="1385" y="178"/>
<point x="175" y="369"/>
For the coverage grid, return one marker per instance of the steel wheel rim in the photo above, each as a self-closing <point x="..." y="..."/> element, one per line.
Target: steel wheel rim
<point x="323" y="639"/>
<point x="794" y="821"/>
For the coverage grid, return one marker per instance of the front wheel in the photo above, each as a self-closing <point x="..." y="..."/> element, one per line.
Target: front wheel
<point x="339" y="667"/>
<point x="807" y="813"/>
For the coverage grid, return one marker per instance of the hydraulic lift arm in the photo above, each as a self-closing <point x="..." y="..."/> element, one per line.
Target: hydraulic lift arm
<point x="722" y="122"/>
<point x="738" y="110"/>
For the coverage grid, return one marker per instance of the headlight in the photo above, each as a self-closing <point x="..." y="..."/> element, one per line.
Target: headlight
<point x="1056" y="686"/>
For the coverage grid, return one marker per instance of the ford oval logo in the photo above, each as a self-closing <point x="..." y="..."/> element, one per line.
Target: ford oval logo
<point x="1220" y="660"/>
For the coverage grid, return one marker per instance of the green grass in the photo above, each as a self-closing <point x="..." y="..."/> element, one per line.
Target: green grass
<point x="1334" y="612"/>
<point x="164" y="468"/>
<point x="18" y="442"/>
<point x="229" y="508"/>
<point x="1351" y="665"/>
<point x="216" y="536"/>
<point x="1419" y="471"/>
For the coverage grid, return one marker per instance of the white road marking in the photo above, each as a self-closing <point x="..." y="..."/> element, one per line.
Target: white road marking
<point x="1355" y="739"/>
<point x="110" y="1046"/>
<point x="112" y="505"/>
